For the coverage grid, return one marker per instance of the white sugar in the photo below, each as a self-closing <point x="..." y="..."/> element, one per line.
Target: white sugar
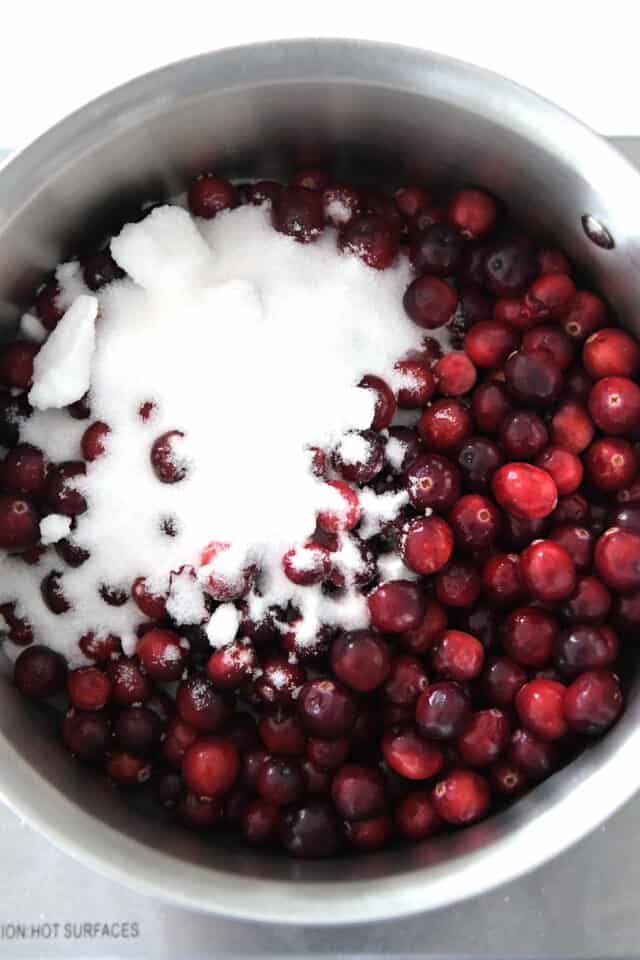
<point x="223" y="625"/>
<point x="395" y="451"/>
<point x="54" y="527"/>
<point x="186" y="603"/>
<point x="380" y="509"/>
<point x="62" y="367"/>
<point x="353" y="448"/>
<point x="391" y="567"/>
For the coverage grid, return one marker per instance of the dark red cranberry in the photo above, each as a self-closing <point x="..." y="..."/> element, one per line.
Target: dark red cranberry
<point x="458" y="585"/>
<point x="374" y="201"/>
<point x="311" y="179"/>
<point x="627" y="517"/>
<point x="457" y="655"/>
<point x="455" y="374"/>
<point x="137" y="730"/>
<point x="577" y="384"/>
<point x="385" y="402"/>
<point x="611" y="463"/>
<point x="473" y="212"/>
<point x="501" y="579"/>
<point x="501" y="680"/>
<point x="208" y="195"/>
<point x="93" y="440"/>
<point x="250" y="764"/>
<point x="260" y="823"/>
<point x="490" y="404"/>
<point x="525" y="491"/>
<point x="462" y="797"/>
<point x="87" y="735"/>
<point x="572" y="510"/>
<point x="328" y="754"/>
<point x="396" y="606"/>
<point x="585" y="314"/>
<point x="475" y="306"/>
<point x="577" y="541"/>
<point x="617" y="559"/>
<point x="592" y="702"/>
<point x="415" y="383"/>
<point x="153" y="605"/>
<point x="565" y="468"/>
<point x="368" y="834"/>
<point x="210" y="766"/>
<point x="317" y="781"/>
<point x="89" y="688"/>
<point x="166" y="459"/>
<point x="510" y="267"/>
<point x="475" y="522"/>
<point x="18" y="523"/>
<point x="99" y="269"/>
<point x="585" y="646"/>
<point x="24" y="470"/>
<point x="479" y="458"/>
<point x="340" y="204"/>
<point x="547" y="571"/>
<point x="199" y="813"/>
<point x="128" y="684"/>
<point x="14" y="410"/>
<point x="310" y="831"/>
<point x="345" y="510"/>
<point x="421" y="639"/>
<point x="480" y="621"/>
<point x="432" y="481"/>
<point x="61" y="491"/>
<point x="326" y="708"/>
<point x="47" y="305"/>
<point x="489" y="343"/>
<point x="372" y="238"/>
<point x="405" y="681"/>
<point x="506" y="778"/>
<point x="200" y="705"/>
<point x="551" y="260"/>
<point x="282" y="733"/>
<point x="611" y="352"/>
<point x="437" y="250"/>
<point x="540" y="707"/>
<point x="626" y="612"/>
<point x="549" y="337"/>
<point x="528" y="636"/>
<point x="100" y="647"/>
<point x="114" y="596"/>
<point x="416" y="816"/>
<point x="279" y="682"/>
<point x="518" y="532"/>
<point x="589" y="603"/>
<point x="485" y="738"/>
<point x="359" y="456"/>
<point x="280" y="781"/>
<point x="427" y="545"/>
<point x="177" y="738"/>
<point x="536" y="758"/>
<point x="445" y="425"/>
<point x="263" y="192"/>
<point x="358" y="792"/>
<point x="614" y="404"/>
<point x="533" y="377"/>
<point x="39" y="672"/>
<point x="20" y="630"/>
<point x="523" y="435"/>
<point x="597" y="520"/>
<point x="424" y="218"/>
<point x="411" y="756"/>
<point x="442" y="711"/>
<point x="549" y="296"/>
<point x="163" y="654"/>
<point x="16" y="364"/>
<point x="71" y="552"/>
<point x="80" y="409"/>
<point x="410" y="200"/>
<point x="430" y="302"/>
<point x="361" y="659"/>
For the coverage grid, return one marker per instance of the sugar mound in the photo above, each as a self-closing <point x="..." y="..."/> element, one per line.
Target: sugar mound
<point x="62" y="367"/>
<point x="53" y="528"/>
<point x="223" y="625"/>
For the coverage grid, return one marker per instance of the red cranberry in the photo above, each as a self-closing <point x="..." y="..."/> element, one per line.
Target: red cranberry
<point x="585" y="646"/>
<point x="577" y="541"/>
<point x="614" y="404"/>
<point x="410" y="756"/>
<point x="611" y="463"/>
<point x="345" y="510"/>
<point x="282" y="733"/>
<point x="473" y="212"/>
<point x="385" y="403"/>
<point x="481" y="622"/>
<point x="547" y="571"/>
<point x="415" y="383"/>
<point x="458" y="656"/>
<point x="358" y="792"/>
<point x="47" y="306"/>
<point x="592" y="702"/>
<point x="523" y="434"/>
<point x="317" y="782"/>
<point x="553" y="261"/>
<point x="280" y="781"/>
<point x="445" y="425"/>
<point x="18" y="523"/>
<point x="162" y="654"/>
<point x="72" y="554"/>
<point x="427" y="546"/>
<point x="370" y="237"/>
<point x="88" y="688"/>
<point x="430" y="302"/>
<point x="396" y="606"/>
<point x="24" y="470"/>
<point x="153" y="605"/>
<point x="306" y="564"/>
<point x="529" y="635"/>
<point x="519" y="532"/>
<point x="424" y="218"/>
<point x="260" y="823"/>
<point x="549" y="296"/>
<point x="222" y="583"/>
<point x="479" y="458"/>
<point x="39" y="672"/>
<point x="359" y="456"/>
<point x="410" y="200"/>
<point x="627" y="517"/>
<point x="442" y="711"/>
<point x="525" y="491"/>
<point x="501" y="579"/>
<point x="416" y="816"/>
<point x="208" y="195"/>
<point x="573" y="509"/>
<point x="405" y="681"/>
<point x="14" y="410"/>
<point x="421" y="639"/>
<point x="455" y="374"/>
<point x="99" y="269"/>
<point x="437" y="250"/>
<point x="16" y="364"/>
<point x="279" y="682"/>
<point x="93" y="440"/>
<point x="458" y="585"/>
<point x="489" y="343"/>
<point x="484" y="739"/>
<point x="167" y="462"/>
<point x="100" y="647"/>
<point x="501" y="680"/>
<point x="328" y="754"/>
<point x="368" y="834"/>
<point x="475" y="522"/>
<point x="210" y="766"/>
<point x="533" y="377"/>
<point x="509" y="311"/>
<point x="60" y="489"/>
<point x="506" y="778"/>
<point x="611" y="352"/>
<point x="361" y="659"/>
<point x="137" y="730"/>
<point x="178" y="737"/>
<point x="475" y="306"/>
<point x="565" y="468"/>
<point x="589" y="603"/>
<point x="617" y="559"/>
<point x="462" y="797"/>
<point x="510" y="267"/>
<point x="310" y="831"/>
<point x="540" y="707"/>
<point x="536" y="758"/>
<point x="80" y="410"/>
<point x="571" y="427"/>
<point x="374" y="201"/>
<point x="250" y="765"/>
<point x="200" y="705"/>
<point x="87" y="735"/>
<point x="199" y="813"/>
<point x="577" y="384"/>
<point x="128" y="684"/>
<point x="340" y="204"/>
<point x="551" y="338"/>
<point x="127" y="770"/>
<point x="432" y="481"/>
<point x="263" y="192"/>
<point x="490" y="404"/>
<point x="20" y="630"/>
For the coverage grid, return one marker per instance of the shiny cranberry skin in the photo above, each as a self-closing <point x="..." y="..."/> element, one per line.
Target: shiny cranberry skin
<point x="410" y="756"/>
<point x="16" y="364"/>
<point x="199" y="813"/>
<point x="547" y="571"/>
<point x="473" y="212"/>
<point x="510" y="267"/>
<point x="536" y="758"/>
<point x="24" y="470"/>
<point x="539" y="704"/>
<point x="177" y="738"/>
<point x="128" y="684"/>
<point x="617" y="559"/>
<point x="533" y="377"/>
<point x="585" y="646"/>
<point x="457" y="656"/>
<point x="462" y="797"/>
<point x="385" y="403"/>
<point x="168" y="465"/>
<point x="614" y="404"/>
<point x="589" y="603"/>
<point x="565" y="468"/>
<point x="327" y="708"/>
<point x="153" y="605"/>
<point x="442" y="711"/>
<point x="458" y="585"/>
<point x="282" y="733"/>
<point x="345" y="510"/>
<point x="528" y="636"/>
<point x="310" y="831"/>
<point x="506" y="778"/>
<point x="490" y="404"/>
<point x="18" y="523"/>
<point x="437" y="251"/>
<point x="455" y="374"/>
<point x="210" y="766"/>
<point x="485" y="738"/>
<point x="427" y="545"/>
<point x="501" y="680"/>
<point x="415" y="815"/>
<point x="208" y="195"/>
<point x="367" y="461"/>
<point x="585" y="314"/>
<point x="479" y="458"/>
<point x="60" y="490"/>
<point x="611" y="463"/>
<point x="200" y="705"/>
<point x="126" y="769"/>
<point x="592" y="702"/>
<point x="260" y="823"/>
<point x="263" y="192"/>
<point x="421" y="639"/>
<point x="280" y="781"/>
<point x="372" y="238"/>
<point x="610" y="352"/>
<point x="361" y="659"/>
<point x="627" y="517"/>
<point x="39" y="672"/>
<point x="405" y="682"/>
<point x="88" y="688"/>
<point x="279" y="682"/>
<point x="100" y="269"/>
<point x="549" y="296"/>
<point x="93" y="440"/>
<point x="14" y="410"/>
<point x="430" y="302"/>
<point x="525" y="491"/>
<point x="137" y="730"/>
<point x="87" y="735"/>
<point x="358" y="792"/>
<point x="475" y="522"/>
<point x="501" y="579"/>
<point x="523" y="435"/>
<point x="47" y="306"/>
<point x="162" y="654"/>
<point x="445" y="425"/>
<point x="489" y="343"/>
<point x="432" y="481"/>
<point x="396" y="606"/>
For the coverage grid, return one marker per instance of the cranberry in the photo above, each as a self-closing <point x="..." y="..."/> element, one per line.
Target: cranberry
<point x="410" y="200"/>
<point x="427" y="545"/>
<point x="617" y="559"/>
<point x="162" y="654"/>
<point x="573" y="509"/>
<point x="627" y="517"/>
<point x="39" y="672"/>
<point x="520" y="532"/>
<point x="47" y="306"/>
<point x="128" y="684"/>
<point x="405" y="681"/>
<point x="280" y="781"/>
<point x="480" y="621"/>
<point x="358" y="792"/>
<point x="523" y="434"/>
<point x="589" y="603"/>
<point x="328" y="754"/>
<point x="437" y="250"/>
<point x="317" y="782"/>
<point x="100" y="647"/>
<point x="168" y="788"/>
<point x="509" y="311"/>
<point x="445" y="425"/>
<point x="385" y="403"/>
<point x="489" y="343"/>
<point x="343" y="509"/>
<point x="510" y="267"/>
<point x="424" y="218"/>
<point x="72" y="554"/>
<point x="485" y="737"/>
<point x="475" y="522"/>
<point x="361" y="659"/>
<point x="410" y="756"/>
<point x="24" y="470"/>
<point x="479" y="458"/>
<point x="553" y="261"/>
<point x="547" y="571"/>
<point x="571" y="427"/>
<point x="16" y="364"/>
<point x="178" y="737"/>
<point x="99" y="269"/>
<point x="462" y="797"/>
<point x="18" y="523"/>
<point x="359" y="456"/>
<point x="432" y="481"/>
<point x="396" y="606"/>
<point x="282" y="733"/>
<point x="14" y="411"/>
<point x="525" y="491"/>
<point x="374" y="201"/>
<point x="475" y="306"/>
<point x="416" y="816"/>
<point x="610" y="352"/>
<point x="442" y="711"/>
<point x="88" y="688"/>
<point x="455" y="374"/>
<point x="306" y="564"/>
<point x="260" y="823"/>
<point x="127" y="770"/>
<point x="592" y="702"/>
<point x="533" y="377"/>
<point x="208" y="195"/>
<point x="152" y="604"/>
<point x="199" y="813"/>
<point x="529" y="635"/>
<point x="506" y="778"/>
<point x="210" y="766"/>
<point x="473" y="212"/>
<point x="60" y="489"/>
<point x="626" y="612"/>
<point x="225" y="575"/>
<point x="310" y="831"/>
<point x="585" y="646"/>
<point x="614" y="404"/>
<point x="540" y="707"/>
<point x="250" y="765"/>
<point x="340" y="204"/>
<point x="370" y="237"/>
<point x="490" y="404"/>
<point x="501" y="579"/>
<point x="406" y="441"/>
<point x="87" y="735"/>
<point x="577" y="384"/>
<point x="458" y="585"/>
<point x="430" y="302"/>
<point x="166" y="459"/>
<point x="611" y="463"/>
<point x="80" y="410"/>
<point x="368" y="834"/>
<point x="415" y="383"/>
<point x="420" y="640"/>
<point x="93" y="440"/>
<point x="20" y="630"/>
<point x="501" y="680"/>
<point x="577" y="541"/>
<point x="200" y="705"/>
<point x="534" y="757"/>
<point x="279" y="682"/>
<point x="263" y="192"/>
<point x="137" y="730"/>
<point x="458" y="656"/>
<point x="549" y="296"/>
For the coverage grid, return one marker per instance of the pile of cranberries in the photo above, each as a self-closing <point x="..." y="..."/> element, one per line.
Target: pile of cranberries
<point x="490" y="663"/>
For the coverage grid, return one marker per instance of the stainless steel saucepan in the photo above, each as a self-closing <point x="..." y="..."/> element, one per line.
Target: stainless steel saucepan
<point x="372" y="109"/>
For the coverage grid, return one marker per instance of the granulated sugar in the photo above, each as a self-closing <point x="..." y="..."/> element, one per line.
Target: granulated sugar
<point x="252" y="345"/>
